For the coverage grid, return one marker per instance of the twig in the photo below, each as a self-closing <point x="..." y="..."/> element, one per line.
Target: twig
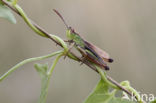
<point x="79" y="59"/>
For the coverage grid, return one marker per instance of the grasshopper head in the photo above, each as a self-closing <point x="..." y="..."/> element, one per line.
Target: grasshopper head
<point x="70" y="33"/>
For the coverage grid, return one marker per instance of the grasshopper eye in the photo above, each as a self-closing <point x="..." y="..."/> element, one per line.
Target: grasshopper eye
<point x="71" y="29"/>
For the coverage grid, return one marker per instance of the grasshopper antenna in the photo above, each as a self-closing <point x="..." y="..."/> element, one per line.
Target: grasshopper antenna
<point x="61" y="17"/>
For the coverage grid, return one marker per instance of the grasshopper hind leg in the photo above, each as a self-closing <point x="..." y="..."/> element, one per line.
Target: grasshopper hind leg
<point x="83" y="58"/>
<point x="84" y="54"/>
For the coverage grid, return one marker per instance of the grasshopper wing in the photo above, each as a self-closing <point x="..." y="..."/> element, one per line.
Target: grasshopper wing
<point x="94" y="56"/>
<point x="98" y="52"/>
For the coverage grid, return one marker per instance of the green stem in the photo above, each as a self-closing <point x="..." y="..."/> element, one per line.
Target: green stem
<point x="136" y="94"/>
<point x="126" y="84"/>
<point x="103" y="76"/>
<point x="45" y="83"/>
<point x="64" y="45"/>
<point x="54" y="64"/>
<point x="26" y="19"/>
<point x="27" y="61"/>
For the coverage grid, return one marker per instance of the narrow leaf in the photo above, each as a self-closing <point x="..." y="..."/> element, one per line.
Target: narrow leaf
<point x="42" y="70"/>
<point x="6" y="13"/>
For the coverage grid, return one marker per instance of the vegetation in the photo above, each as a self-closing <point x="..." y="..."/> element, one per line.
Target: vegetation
<point x="106" y="89"/>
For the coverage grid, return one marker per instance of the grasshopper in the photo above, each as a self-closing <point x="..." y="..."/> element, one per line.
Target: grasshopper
<point x="89" y="51"/>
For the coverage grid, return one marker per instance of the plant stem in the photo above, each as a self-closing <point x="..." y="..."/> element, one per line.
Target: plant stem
<point x="27" y="61"/>
<point x="104" y="77"/>
<point x="45" y="83"/>
<point x="26" y="19"/>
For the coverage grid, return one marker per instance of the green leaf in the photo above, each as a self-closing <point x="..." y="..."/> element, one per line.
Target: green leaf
<point x="42" y="70"/>
<point x="101" y="94"/>
<point x="153" y="101"/>
<point x="6" y="13"/>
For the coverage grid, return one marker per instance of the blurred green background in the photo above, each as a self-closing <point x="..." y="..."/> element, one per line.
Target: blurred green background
<point x="126" y="29"/>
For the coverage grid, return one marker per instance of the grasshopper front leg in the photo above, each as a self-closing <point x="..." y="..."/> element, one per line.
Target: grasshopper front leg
<point x="70" y="47"/>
